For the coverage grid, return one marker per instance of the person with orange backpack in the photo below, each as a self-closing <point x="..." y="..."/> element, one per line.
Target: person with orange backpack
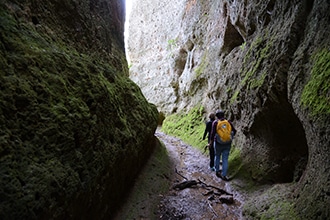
<point x="222" y="135"/>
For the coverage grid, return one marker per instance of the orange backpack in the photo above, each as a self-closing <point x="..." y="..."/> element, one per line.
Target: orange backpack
<point x="224" y="132"/>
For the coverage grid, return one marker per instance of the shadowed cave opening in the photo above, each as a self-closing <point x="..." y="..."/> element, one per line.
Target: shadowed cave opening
<point x="282" y="143"/>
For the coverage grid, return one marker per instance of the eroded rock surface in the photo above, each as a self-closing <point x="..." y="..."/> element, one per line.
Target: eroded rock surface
<point x="265" y="62"/>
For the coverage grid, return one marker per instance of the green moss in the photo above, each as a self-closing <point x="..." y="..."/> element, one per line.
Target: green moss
<point x="235" y="160"/>
<point x="316" y="92"/>
<point x="243" y="46"/>
<point x="234" y="97"/>
<point x="250" y="75"/>
<point x="190" y="128"/>
<point x="274" y="203"/>
<point x="280" y="210"/>
<point x="187" y="126"/>
<point x="253" y="47"/>
<point x="149" y="186"/>
<point x="171" y="44"/>
<point x="255" y="56"/>
<point x="69" y="110"/>
<point x="258" y="82"/>
<point x="200" y="69"/>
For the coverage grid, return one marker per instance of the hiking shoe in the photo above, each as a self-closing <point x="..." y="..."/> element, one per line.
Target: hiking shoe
<point x="212" y="169"/>
<point x="224" y="178"/>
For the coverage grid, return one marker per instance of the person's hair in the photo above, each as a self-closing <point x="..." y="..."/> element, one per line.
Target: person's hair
<point x="220" y="114"/>
<point x="212" y="116"/>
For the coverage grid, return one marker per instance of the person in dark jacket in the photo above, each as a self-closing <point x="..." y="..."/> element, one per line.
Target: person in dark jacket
<point x="221" y="150"/>
<point x="208" y="129"/>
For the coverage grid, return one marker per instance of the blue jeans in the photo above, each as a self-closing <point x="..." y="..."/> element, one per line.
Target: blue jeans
<point x="221" y="150"/>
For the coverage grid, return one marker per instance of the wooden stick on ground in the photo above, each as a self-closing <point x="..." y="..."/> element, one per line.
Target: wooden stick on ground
<point x="212" y="209"/>
<point x="185" y="184"/>
<point x="220" y="190"/>
<point x="176" y="171"/>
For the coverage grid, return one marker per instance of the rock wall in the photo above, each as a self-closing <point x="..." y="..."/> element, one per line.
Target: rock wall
<point x="75" y="130"/>
<point x="266" y="63"/>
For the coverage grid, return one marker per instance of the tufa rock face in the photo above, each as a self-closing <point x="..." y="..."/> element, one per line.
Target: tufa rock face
<point x="266" y="63"/>
<point x="75" y="130"/>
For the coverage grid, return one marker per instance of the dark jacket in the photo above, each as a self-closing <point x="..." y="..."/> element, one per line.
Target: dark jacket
<point x="208" y="129"/>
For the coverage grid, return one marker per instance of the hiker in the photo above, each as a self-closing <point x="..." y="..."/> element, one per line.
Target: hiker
<point x="222" y="144"/>
<point x="208" y="129"/>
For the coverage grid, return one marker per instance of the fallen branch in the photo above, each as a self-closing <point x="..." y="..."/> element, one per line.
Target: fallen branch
<point x="185" y="184"/>
<point x="212" y="209"/>
<point x="214" y="187"/>
<point x="176" y="171"/>
<point x="208" y="193"/>
<point x="190" y="183"/>
<point x="226" y="199"/>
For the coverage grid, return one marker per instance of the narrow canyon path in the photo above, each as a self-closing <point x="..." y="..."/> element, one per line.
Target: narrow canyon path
<point x="196" y="202"/>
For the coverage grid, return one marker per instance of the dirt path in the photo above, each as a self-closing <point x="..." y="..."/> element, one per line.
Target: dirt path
<point x="192" y="203"/>
<point x="189" y="203"/>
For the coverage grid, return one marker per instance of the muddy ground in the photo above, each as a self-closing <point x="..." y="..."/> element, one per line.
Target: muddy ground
<point x="204" y="200"/>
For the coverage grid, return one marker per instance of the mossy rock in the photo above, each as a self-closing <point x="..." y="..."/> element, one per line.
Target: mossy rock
<point x="274" y="203"/>
<point x="75" y="131"/>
